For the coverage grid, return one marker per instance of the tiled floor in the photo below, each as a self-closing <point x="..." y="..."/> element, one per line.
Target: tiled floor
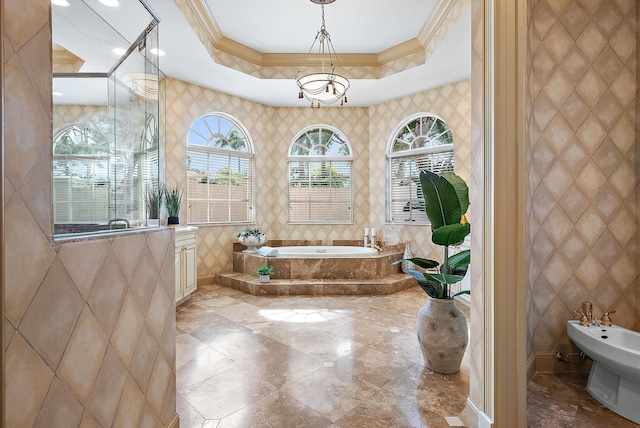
<point x="328" y="361"/>
<point x="561" y="401"/>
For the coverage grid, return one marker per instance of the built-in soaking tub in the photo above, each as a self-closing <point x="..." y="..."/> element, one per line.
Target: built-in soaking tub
<point x="325" y="251"/>
<point x="318" y="269"/>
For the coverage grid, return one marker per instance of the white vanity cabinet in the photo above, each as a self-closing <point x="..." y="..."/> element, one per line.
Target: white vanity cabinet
<point x="186" y="260"/>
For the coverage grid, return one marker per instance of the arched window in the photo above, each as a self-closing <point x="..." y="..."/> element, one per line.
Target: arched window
<point x="422" y="141"/>
<point x="320" y="188"/>
<point x="219" y="171"/>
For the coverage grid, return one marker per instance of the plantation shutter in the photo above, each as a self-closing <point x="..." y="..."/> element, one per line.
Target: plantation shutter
<point x="406" y="199"/>
<point x="320" y="180"/>
<point x="219" y="188"/>
<point x="320" y="192"/>
<point x="80" y="190"/>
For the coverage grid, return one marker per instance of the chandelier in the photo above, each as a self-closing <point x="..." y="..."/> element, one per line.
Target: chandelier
<point x="325" y="85"/>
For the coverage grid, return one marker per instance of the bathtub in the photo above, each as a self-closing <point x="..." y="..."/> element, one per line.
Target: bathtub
<point x="614" y="379"/>
<point x="325" y="251"/>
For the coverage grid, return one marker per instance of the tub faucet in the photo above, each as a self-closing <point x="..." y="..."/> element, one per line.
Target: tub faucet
<point x="377" y="248"/>
<point x="118" y="220"/>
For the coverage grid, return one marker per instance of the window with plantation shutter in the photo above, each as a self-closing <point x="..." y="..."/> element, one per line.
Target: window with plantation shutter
<point x="219" y="171"/>
<point x="320" y="187"/>
<point x="420" y="142"/>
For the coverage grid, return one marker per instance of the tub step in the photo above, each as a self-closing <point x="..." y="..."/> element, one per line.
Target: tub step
<point x="315" y="287"/>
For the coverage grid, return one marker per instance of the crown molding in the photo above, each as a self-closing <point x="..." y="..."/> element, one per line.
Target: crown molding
<point x="231" y="47"/>
<point x="433" y="23"/>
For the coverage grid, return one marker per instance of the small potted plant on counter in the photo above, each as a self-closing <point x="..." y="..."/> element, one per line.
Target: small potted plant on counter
<point x="265" y="272"/>
<point x="172" y="194"/>
<point x="251" y="237"/>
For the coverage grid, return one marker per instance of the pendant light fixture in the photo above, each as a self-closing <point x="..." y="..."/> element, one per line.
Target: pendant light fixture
<point x="324" y="85"/>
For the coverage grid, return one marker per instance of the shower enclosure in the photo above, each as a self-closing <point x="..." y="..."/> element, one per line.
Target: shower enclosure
<point x="106" y="127"/>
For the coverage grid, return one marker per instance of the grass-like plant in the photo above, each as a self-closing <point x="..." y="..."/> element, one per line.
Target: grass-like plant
<point x="153" y="200"/>
<point x="172" y="199"/>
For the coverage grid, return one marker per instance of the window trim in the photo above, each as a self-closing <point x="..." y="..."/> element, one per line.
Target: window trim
<point x="316" y="158"/>
<point x="249" y="154"/>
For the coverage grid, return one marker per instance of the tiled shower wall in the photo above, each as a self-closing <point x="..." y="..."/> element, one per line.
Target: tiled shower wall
<point x="89" y="325"/>
<point x="583" y="175"/>
<point x="272" y="130"/>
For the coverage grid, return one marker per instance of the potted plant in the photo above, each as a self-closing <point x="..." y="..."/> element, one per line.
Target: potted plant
<point x="264" y="271"/>
<point x="441" y="326"/>
<point x="153" y="200"/>
<point x="172" y="194"/>
<point x="251" y="237"/>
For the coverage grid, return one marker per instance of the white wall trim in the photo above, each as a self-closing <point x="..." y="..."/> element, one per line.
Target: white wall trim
<point x="476" y="417"/>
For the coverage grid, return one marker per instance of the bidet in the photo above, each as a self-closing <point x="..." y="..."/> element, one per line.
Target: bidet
<point x="614" y="379"/>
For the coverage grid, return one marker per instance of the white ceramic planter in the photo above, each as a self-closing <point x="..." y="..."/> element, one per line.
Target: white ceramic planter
<point x="251" y="242"/>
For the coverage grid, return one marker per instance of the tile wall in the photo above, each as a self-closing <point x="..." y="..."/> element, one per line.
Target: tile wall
<point x="273" y="128"/>
<point x="89" y="324"/>
<point x="583" y="175"/>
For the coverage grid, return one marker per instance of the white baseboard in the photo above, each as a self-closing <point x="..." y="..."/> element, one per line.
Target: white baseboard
<point x="476" y="418"/>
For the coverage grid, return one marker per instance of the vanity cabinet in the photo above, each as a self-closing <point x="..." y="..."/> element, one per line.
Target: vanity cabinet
<point x="186" y="263"/>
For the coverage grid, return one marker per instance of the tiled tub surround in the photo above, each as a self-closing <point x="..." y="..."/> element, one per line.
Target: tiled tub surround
<point x="318" y="276"/>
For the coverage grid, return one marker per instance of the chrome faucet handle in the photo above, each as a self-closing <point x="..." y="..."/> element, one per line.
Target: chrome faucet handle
<point x="606" y="321"/>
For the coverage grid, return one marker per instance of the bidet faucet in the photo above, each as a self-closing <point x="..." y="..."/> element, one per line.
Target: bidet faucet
<point x="606" y="321"/>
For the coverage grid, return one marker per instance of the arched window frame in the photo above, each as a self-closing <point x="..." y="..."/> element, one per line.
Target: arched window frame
<point x="417" y="149"/>
<point x="238" y="203"/>
<point x="330" y="206"/>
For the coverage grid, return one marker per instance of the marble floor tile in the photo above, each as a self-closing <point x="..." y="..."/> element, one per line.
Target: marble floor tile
<point x="276" y="410"/>
<point x="335" y="361"/>
<point x="561" y="400"/>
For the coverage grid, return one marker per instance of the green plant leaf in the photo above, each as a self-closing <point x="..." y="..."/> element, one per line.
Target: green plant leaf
<point x="460" y="260"/>
<point x="441" y="200"/>
<point x="445" y="278"/>
<point x="450" y="234"/>
<point x="461" y="292"/>
<point x="423" y="263"/>
<point x="462" y="190"/>
<point x="432" y="288"/>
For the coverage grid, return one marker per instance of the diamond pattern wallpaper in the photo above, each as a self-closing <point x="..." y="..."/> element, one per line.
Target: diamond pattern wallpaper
<point x="582" y="177"/>
<point x="89" y="325"/>
<point x="273" y="128"/>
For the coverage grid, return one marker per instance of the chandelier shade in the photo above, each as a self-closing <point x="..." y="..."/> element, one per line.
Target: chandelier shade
<point x="324" y="85"/>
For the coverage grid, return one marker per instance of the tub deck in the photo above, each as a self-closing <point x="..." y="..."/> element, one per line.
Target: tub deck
<point x="368" y="275"/>
<point x="316" y="287"/>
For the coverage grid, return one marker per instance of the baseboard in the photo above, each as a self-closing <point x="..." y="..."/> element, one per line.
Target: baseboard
<point x="476" y="418"/>
<point x="531" y="367"/>
<point x="206" y="280"/>
<point x="175" y="422"/>
<point x="547" y="362"/>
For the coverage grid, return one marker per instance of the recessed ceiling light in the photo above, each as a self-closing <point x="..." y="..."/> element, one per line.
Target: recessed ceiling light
<point x="119" y="51"/>
<point x="110" y="3"/>
<point x="56" y="94"/>
<point x="158" y="52"/>
<point x="63" y="3"/>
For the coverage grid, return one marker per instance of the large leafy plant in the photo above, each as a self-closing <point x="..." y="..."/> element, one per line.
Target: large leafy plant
<point x="446" y="198"/>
